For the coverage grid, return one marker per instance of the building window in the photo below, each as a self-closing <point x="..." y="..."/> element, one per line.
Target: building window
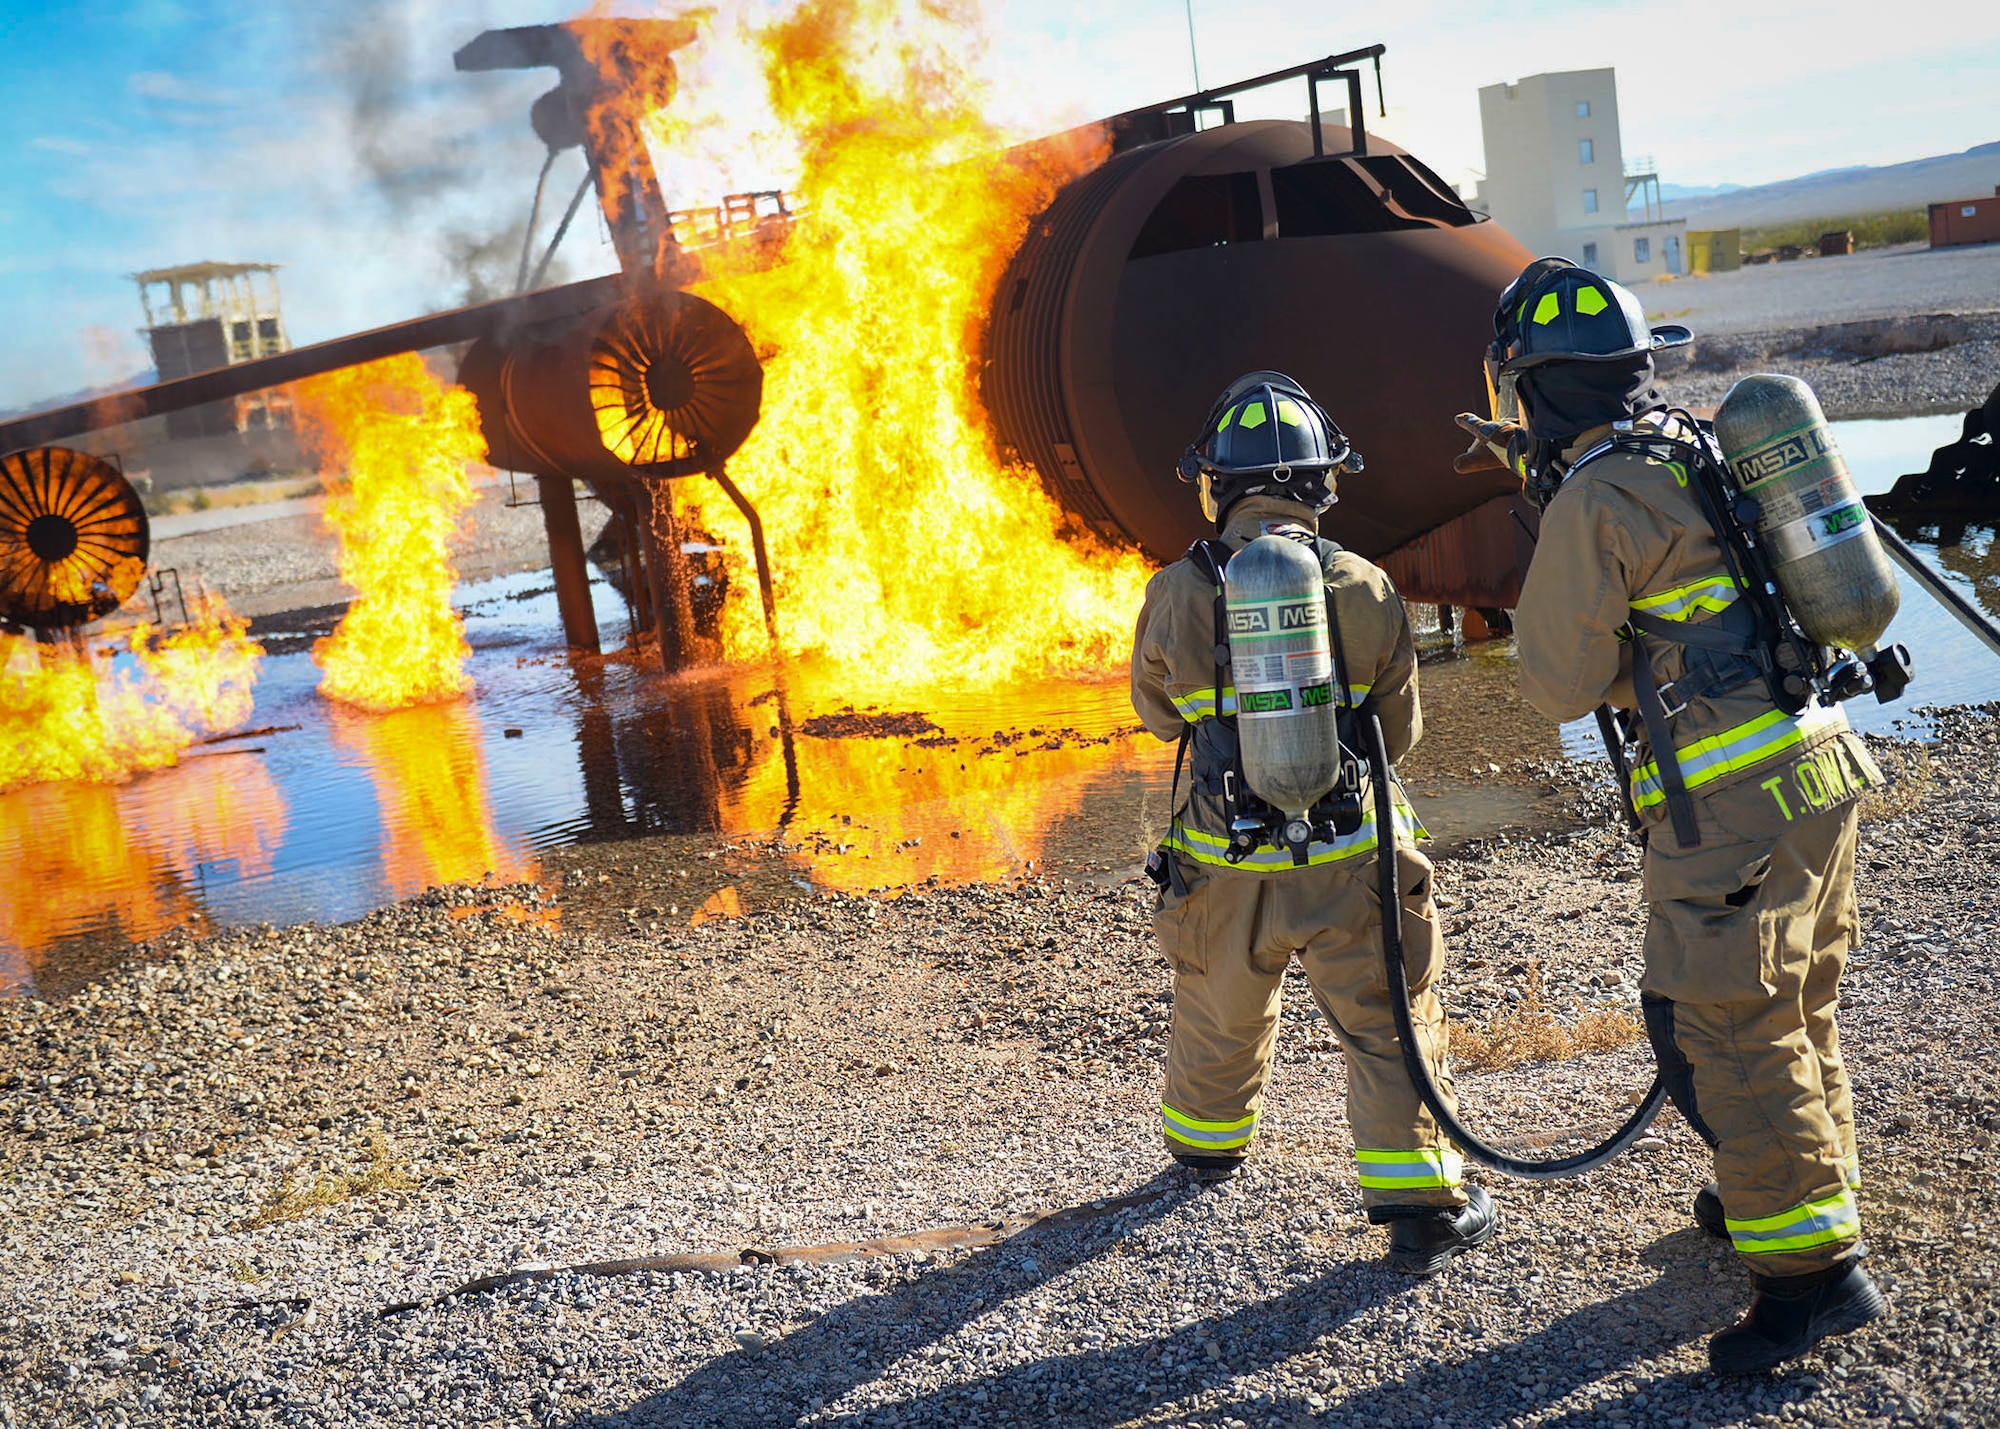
<point x="1583" y="109"/>
<point x="1969" y="211"/>
<point x="1642" y="250"/>
<point x="1586" y="152"/>
<point x="1590" y="255"/>
<point x="1590" y="200"/>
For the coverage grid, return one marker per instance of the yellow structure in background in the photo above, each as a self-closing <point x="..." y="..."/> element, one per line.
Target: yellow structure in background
<point x="1715" y="250"/>
<point x="213" y="315"/>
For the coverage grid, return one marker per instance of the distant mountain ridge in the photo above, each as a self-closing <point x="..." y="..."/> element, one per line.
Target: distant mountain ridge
<point x="143" y="378"/>
<point x="1674" y="193"/>
<point x="1839" y="193"/>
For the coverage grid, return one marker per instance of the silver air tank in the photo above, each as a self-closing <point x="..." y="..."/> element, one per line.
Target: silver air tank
<point x="1828" y="561"/>
<point x="1282" y="667"/>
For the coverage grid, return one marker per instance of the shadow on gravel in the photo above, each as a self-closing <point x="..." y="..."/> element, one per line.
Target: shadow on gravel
<point x="1468" y="1383"/>
<point x="1701" y="1301"/>
<point x="1479" y="1385"/>
<point x="820" y="1364"/>
<point x="856" y="1343"/>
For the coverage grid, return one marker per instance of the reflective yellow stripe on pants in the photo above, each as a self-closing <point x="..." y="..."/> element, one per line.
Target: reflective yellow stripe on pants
<point x="1409" y="1170"/>
<point x="1804" y="1227"/>
<point x="1751" y="742"/>
<point x="1211" y="1136"/>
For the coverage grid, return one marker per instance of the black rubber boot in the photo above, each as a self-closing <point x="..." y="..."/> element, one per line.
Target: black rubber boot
<point x="1790" y="1314"/>
<point x="1208" y="1170"/>
<point x="1708" y="1211"/>
<point x="1423" y="1238"/>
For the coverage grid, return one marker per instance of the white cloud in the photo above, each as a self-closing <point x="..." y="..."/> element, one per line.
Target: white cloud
<point x="159" y="84"/>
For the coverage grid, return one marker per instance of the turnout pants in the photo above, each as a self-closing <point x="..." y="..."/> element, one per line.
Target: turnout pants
<point x="1748" y="939"/>
<point x="1230" y="939"/>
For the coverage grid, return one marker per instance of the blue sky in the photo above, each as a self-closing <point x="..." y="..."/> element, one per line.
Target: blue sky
<point x="336" y="139"/>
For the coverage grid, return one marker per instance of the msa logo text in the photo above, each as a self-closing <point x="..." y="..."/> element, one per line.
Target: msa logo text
<point x="1795" y="451"/>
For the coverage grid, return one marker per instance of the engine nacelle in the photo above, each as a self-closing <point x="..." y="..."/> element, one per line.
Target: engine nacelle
<point x="660" y="384"/>
<point x="1160" y="277"/>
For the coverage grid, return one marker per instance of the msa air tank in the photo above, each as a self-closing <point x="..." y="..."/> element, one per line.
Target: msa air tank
<point x="1281" y="663"/>
<point x="1824" y="553"/>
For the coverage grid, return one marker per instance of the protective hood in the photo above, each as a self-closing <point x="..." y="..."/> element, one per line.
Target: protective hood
<point x="1561" y="400"/>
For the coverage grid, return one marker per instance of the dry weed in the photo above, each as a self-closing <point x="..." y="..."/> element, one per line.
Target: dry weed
<point x="1529" y="1032"/>
<point x="296" y="1196"/>
<point x="1912" y="778"/>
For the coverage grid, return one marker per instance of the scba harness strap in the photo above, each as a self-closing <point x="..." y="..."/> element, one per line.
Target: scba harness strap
<point x="1721" y="656"/>
<point x="1734" y="647"/>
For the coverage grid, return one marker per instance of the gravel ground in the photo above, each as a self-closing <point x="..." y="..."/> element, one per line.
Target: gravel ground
<point x="264" y="567"/>
<point x="467" y="1088"/>
<point x="1955" y="378"/>
<point x="1876" y="283"/>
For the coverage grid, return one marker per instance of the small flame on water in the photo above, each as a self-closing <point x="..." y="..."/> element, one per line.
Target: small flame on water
<point x="405" y="441"/>
<point x="67" y="712"/>
<point x="430" y="784"/>
<point x="904" y="549"/>
<point x="968" y="810"/>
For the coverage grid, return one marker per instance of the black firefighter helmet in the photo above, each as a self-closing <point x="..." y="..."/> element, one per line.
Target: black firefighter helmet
<point x="1558" y="312"/>
<point x="1266" y="436"/>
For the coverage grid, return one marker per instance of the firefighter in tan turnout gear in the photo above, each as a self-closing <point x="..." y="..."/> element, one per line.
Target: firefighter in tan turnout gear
<point x="1747" y="810"/>
<point x="1243" y="886"/>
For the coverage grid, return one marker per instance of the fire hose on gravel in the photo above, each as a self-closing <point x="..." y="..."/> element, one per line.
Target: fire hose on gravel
<point x="964" y="1236"/>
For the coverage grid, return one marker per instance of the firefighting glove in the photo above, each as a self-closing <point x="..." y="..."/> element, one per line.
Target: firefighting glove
<point x="1496" y="446"/>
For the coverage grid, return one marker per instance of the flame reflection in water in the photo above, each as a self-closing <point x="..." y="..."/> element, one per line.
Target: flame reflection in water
<point x="127" y="863"/>
<point x="429" y="774"/>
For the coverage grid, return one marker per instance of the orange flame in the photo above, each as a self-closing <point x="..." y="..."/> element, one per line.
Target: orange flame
<point x="903" y="548"/>
<point x="430" y="784"/>
<point x="405" y="440"/>
<point x="85" y="859"/>
<point x="68" y="713"/>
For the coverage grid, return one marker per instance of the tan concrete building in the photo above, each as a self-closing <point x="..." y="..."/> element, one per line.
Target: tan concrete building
<point x="215" y="315"/>
<point x="1557" y="177"/>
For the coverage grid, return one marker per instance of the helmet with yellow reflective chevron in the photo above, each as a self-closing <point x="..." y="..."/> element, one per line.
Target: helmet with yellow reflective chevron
<point x="1265" y="435"/>
<point x="1558" y="312"/>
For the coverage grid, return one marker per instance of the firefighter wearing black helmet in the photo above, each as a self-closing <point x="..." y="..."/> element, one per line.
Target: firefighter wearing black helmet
<point x="1747" y="808"/>
<point x="1230" y="919"/>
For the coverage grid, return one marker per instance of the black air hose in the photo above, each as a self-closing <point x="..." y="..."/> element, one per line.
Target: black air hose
<point x="1406" y="1031"/>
